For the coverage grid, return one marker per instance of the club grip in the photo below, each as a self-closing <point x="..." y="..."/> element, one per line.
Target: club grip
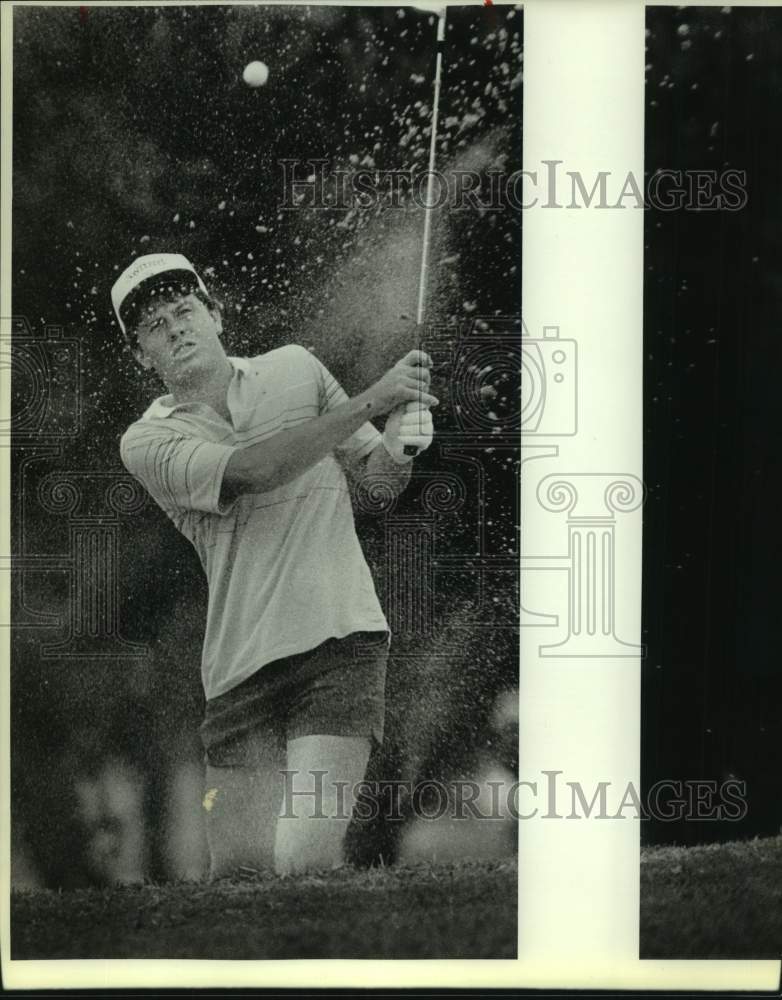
<point x="410" y="449"/>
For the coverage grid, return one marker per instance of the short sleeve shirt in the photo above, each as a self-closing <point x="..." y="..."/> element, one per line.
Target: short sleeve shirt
<point x="285" y="568"/>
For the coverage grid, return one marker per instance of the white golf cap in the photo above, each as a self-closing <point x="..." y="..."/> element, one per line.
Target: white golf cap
<point x="158" y="266"/>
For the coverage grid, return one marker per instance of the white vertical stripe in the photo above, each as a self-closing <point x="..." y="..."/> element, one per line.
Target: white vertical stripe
<point x="583" y="272"/>
<point x="583" y="105"/>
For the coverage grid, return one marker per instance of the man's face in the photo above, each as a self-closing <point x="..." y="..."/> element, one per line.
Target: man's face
<point x="179" y="337"/>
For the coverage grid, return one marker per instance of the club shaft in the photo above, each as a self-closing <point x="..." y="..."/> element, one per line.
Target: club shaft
<point x="428" y="208"/>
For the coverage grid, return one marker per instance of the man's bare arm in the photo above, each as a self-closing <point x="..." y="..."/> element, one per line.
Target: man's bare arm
<point x="380" y="465"/>
<point x="279" y="459"/>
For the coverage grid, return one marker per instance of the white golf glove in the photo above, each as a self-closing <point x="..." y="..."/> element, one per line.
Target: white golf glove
<point x="408" y="425"/>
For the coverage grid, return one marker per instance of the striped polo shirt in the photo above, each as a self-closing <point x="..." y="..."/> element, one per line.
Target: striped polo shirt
<point x="285" y="568"/>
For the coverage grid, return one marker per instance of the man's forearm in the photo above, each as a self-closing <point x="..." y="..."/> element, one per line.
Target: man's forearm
<point x="379" y="464"/>
<point x="279" y="459"/>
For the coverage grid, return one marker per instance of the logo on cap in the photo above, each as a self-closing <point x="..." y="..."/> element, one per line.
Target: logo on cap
<point x="142" y="271"/>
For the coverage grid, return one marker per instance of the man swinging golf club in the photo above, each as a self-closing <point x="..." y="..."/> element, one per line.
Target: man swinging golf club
<point x="242" y="456"/>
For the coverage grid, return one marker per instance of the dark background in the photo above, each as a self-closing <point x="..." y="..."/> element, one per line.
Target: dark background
<point x="134" y="133"/>
<point x="712" y="683"/>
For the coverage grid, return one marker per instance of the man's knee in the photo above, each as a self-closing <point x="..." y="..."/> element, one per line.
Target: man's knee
<point x="318" y="799"/>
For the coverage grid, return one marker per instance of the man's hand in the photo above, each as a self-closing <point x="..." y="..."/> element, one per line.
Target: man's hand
<point x="277" y="460"/>
<point x="407" y="425"/>
<point x="407" y="382"/>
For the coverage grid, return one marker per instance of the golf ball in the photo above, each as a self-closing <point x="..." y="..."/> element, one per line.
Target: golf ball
<point x="255" y="74"/>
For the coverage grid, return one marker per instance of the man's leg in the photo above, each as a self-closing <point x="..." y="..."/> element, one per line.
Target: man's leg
<point x="317" y="806"/>
<point x="242" y="803"/>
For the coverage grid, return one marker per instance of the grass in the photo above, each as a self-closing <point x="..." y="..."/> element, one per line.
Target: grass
<point x="449" y="911"/>
<point x="715" y="901"/>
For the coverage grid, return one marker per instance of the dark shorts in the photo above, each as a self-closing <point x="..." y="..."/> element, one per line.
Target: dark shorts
<point x="336" y="689"/>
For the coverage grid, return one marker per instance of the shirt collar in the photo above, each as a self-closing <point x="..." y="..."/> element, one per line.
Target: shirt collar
<point x="163" y="407"/>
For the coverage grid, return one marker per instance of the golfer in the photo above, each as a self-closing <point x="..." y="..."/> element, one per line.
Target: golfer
<point x="246" y="455"/>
